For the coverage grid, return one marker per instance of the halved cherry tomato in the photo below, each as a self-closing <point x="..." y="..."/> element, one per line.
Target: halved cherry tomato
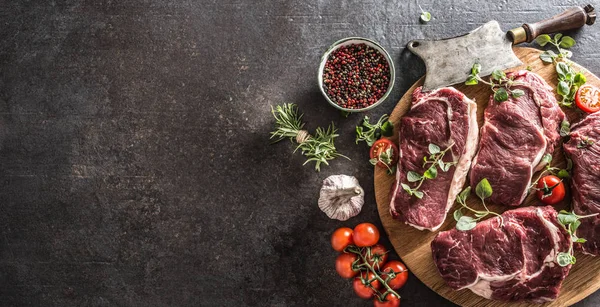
<point x="365" y="234"/>
<point x="341" y="238"/>
<point x="399" y="270"/>
<point x="551" y="190"/>
<point x="378" y="152"/>
<point x="343" y="265"/>
<point x="378" y="256"/>
<point x="587" y="98"/>
<point x="361" y="287"/>
<point x="391" y="300"/>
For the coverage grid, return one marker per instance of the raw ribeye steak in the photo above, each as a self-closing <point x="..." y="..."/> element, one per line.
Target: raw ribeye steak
<point x="513" y="262"/>
<point x="514" y="138"/>
<point x="446" y="118"/>
<point x="584" y="150"/>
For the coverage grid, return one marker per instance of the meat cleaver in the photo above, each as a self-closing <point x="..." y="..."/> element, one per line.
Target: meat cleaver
<point x="449" y="61"/>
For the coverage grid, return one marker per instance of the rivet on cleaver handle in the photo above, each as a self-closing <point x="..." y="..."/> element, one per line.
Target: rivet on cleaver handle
<point x="573" y="18"/>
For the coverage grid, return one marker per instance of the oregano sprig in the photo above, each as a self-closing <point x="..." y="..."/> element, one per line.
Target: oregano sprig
<point x="569" y="81"/>
<point x="432" y="163"/>
<point x="465" y="222"/>
<point x="571" y="222"/>
<point x="498" y="82"/>
<point x="386" y="158"/>
<point x="372" y="132"/>
<point x="561" y="173"/>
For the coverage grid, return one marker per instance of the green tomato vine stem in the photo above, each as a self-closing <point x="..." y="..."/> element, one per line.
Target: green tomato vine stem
<point x="370" y="268"/>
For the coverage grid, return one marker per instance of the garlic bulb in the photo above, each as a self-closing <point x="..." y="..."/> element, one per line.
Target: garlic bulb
<point x="341" y="197"/>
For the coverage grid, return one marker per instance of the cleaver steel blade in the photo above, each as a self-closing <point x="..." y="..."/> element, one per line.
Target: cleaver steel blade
<point x="449" y="61"/>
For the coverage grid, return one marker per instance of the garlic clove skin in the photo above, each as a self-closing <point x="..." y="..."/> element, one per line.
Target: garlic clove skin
<point x="341" y="197"/>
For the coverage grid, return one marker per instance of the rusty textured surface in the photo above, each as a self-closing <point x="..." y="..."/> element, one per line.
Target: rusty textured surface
<point x="135" y="165"/>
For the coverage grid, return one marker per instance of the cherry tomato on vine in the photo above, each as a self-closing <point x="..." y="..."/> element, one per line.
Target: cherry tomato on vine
<point x="365" y="234"/>
<point x="378" y="257"/>
<point x="343" y="265"/>
<point x="587" y="98"/>
<point x="341" y="238"/>
<point x="551" y="190"/>
<point x="360" y="285"/>
<point x="391" y="300"/>
<point x="399" y="270"/>
<point x="379" y="149"/>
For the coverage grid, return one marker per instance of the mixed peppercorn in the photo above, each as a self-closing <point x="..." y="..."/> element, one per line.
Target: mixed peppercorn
<point x="356" y="76"/>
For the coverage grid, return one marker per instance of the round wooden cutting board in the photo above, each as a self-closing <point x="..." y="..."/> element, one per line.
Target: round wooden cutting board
<point x="413" y="246"/>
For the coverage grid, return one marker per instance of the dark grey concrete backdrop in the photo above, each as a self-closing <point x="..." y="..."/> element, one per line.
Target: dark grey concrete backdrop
<point x="135" y="165"/>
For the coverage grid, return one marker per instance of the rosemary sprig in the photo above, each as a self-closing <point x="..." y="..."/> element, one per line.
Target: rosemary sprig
<point x="571" y="222"/>
<point x="319" y="148"/>
<point x="435" y="159"/>
<point x="483" y="191"/>
<point x="370" y="133"/>
<point x="499" y="83"/>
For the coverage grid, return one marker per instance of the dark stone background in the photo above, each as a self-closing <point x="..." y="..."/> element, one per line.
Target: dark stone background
<point x="135" y="165"/>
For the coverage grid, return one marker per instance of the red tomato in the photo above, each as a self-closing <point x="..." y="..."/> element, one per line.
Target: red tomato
<point x="587" y="98"/>
<point x="361" y="288"/>
<point x="341" y="238"/>
<point x="399" y="270"/>
<point x="378" y="257"/>
<point x="365" y="234"/>
<point x="343" y="265"/>
<point x="551" y="190"/>
<point x="390" y="301"/>
<point x="379" y="148"/>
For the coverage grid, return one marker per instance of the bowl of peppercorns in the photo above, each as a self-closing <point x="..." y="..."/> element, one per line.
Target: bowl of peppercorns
<point x="356" y="74"/>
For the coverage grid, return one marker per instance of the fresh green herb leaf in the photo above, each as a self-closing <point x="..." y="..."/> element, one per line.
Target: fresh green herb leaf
<point x="433" y="149"/>
<point x="483" y="189"/>
<point x="476" y="69"/>
<point x="406" y="188"/>
<point x="567" y="42"/>
<point x="565" y="128"/>
<point x="584" y="143"/>
<point x="563" y="88"/>
<point x="413" y="176"/>
<point x="431" y="173"/>
<point x="579" y="79"/>
<point x="557" y="37"/>
<point x="580" y="240"/>
<point x="543" y="39"/>
<point x="472" y="80"/>
<point x="547" y="158"/>
<point x="501" y="95"/>
<point x="517" y="93"/>
<point x="418" y="194"/>
<point x="564" y="259"/>
<point x="425" y="17"/>
<point x="465" y="194"/>
<point x="548" y="56"/>
<point x="458" y="214"/>
<point x="387" y="129"/>
<point x="498" y="75"/>
<point x="563" y="173"/>
<point x="373" y="161"/>
<point x="466" y="223"/>
<point x="562" y="69"/>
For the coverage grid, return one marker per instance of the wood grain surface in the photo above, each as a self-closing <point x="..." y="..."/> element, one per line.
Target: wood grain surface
<point x="413" y="245"/>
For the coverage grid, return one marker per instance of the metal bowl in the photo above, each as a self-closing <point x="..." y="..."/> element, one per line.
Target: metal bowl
<point x="350" y="41"/>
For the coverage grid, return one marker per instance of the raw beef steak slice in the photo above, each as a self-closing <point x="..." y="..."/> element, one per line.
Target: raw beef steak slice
<point x="513" y="262"/>
<point x="514" y="138"/>
<point x="445" y="117"/>
<point x="584" y="150"/>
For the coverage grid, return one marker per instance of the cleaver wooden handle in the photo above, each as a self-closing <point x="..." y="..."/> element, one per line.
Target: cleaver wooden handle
<point x="570" y="19"/>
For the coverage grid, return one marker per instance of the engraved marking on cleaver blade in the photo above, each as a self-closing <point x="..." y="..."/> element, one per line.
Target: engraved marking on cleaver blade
<point x="449" y="61"/>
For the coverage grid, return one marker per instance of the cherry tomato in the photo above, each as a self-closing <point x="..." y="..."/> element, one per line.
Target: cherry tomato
<point x="341" y="238"/>
<point x="399" y="270"/>
<point x="378" y="257"/>
<point x="551" y="190"/>
<point x="360" y="285"/>
<point x="391" y="300"/>
<point x="378" y="152"/>
<point x="343" y="265"/>
<point x="587" y="98"/>
<point x="365" y="234"/>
